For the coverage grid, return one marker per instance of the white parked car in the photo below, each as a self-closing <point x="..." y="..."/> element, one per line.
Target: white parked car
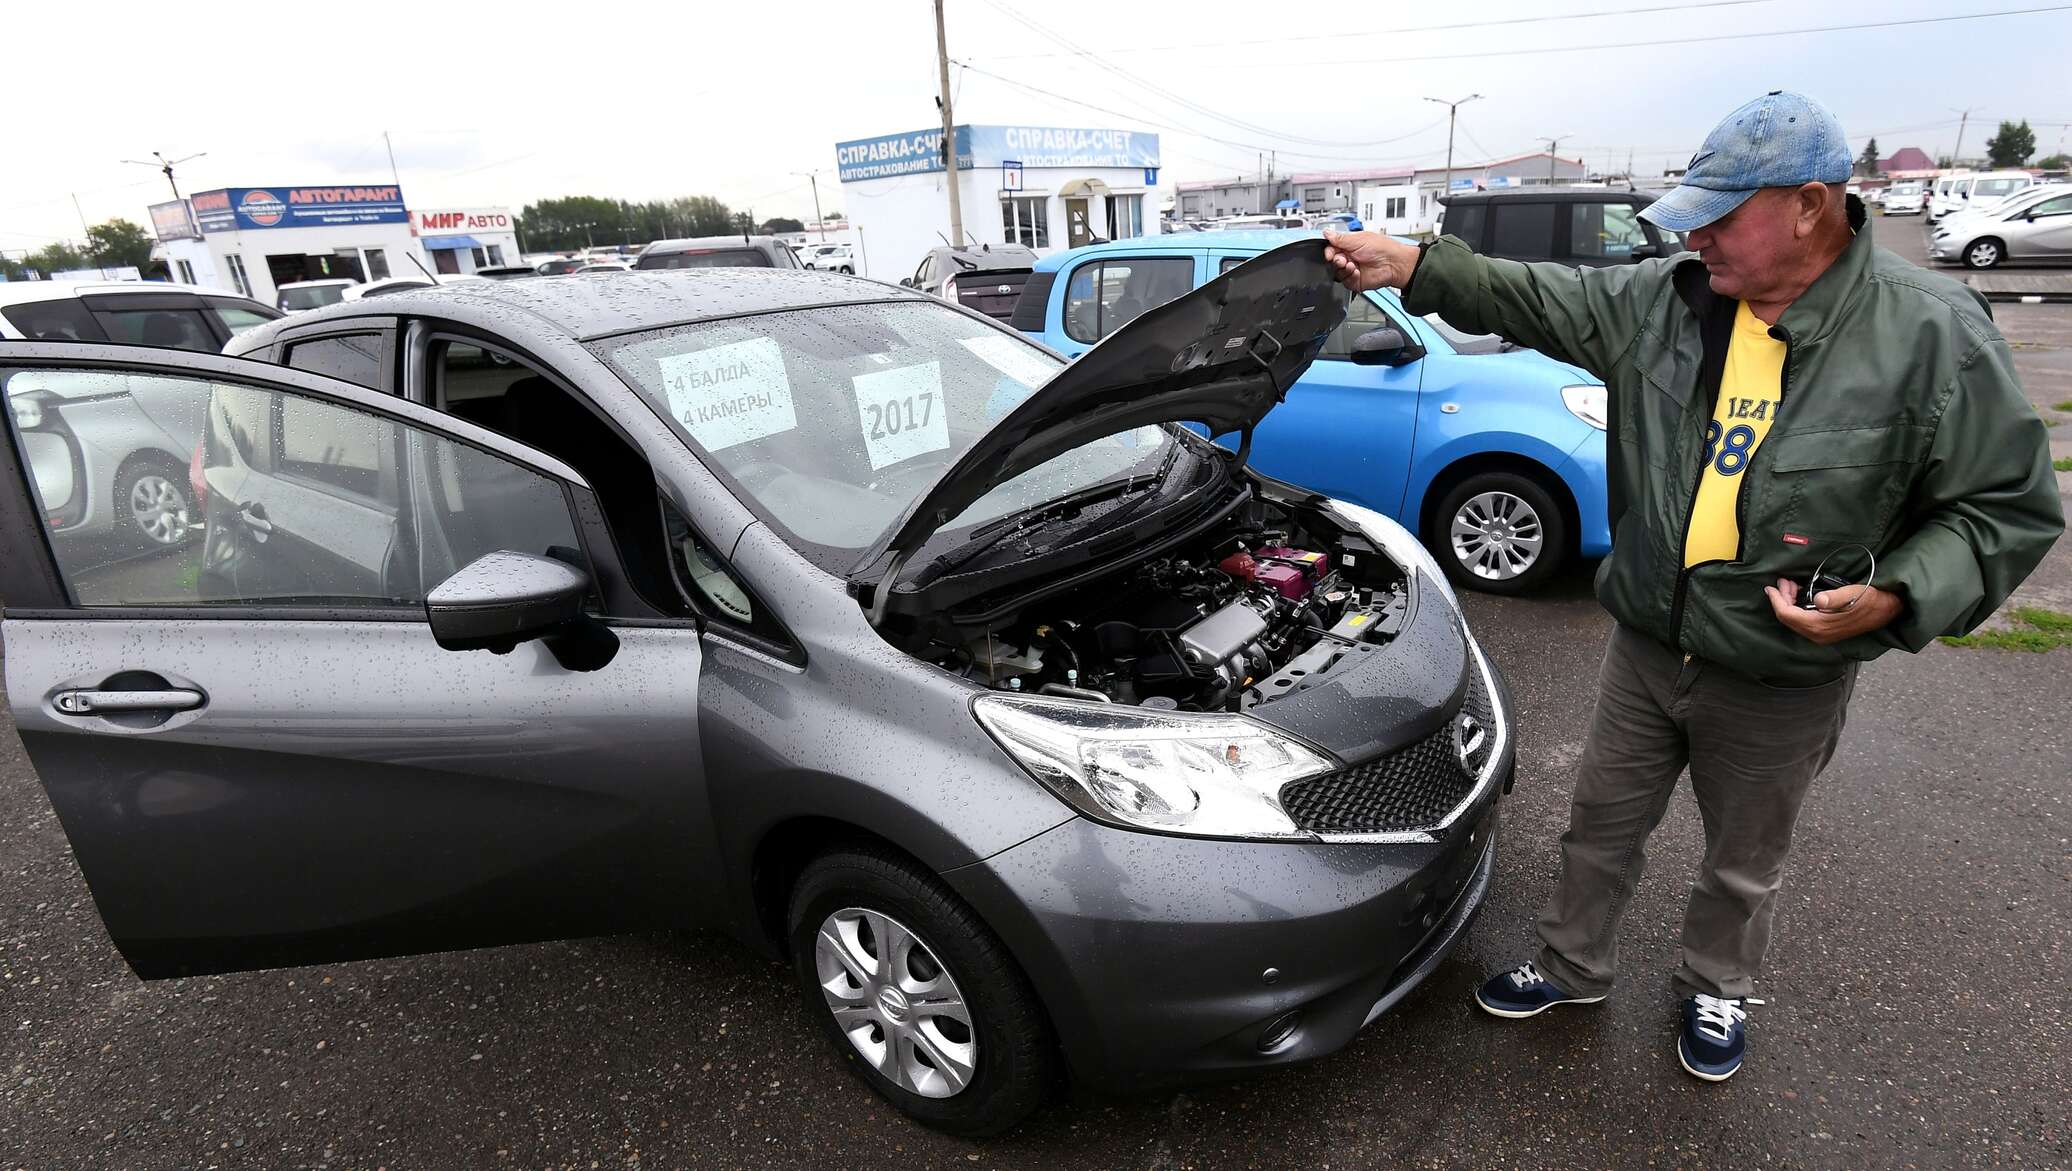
<point x="1976" y="191"/>
<point x="830" y="257"/>
<point x="2033" y="225"/>
<point x="1904" y="199"/>
<point x="302" y="296"/>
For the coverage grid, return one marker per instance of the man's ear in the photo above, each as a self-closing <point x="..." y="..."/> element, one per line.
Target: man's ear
<point x="1813" y="207"/>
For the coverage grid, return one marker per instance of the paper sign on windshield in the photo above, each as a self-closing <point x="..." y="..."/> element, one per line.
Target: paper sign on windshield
<point x="1013" y="359"/>
<point x="730" y="394"/>
<point x="901" y="412"/>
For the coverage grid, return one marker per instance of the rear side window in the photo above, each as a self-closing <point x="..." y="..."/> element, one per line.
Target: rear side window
<point x="720" y="258"/>
<point x="63" y="319"/>
<point x="1034" y="306"/>
<point x="1465" y="220"/>
<point x="355" y="358"/>
<point x="1109" y="294"/>
<point x="1524" y="230"/>
<point x="172" y="329"/>
<point x="238" y="318"/>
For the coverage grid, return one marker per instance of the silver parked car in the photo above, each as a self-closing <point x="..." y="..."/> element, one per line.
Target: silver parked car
<point x="1026" y="726"/>
<point x="2035" y="225"/>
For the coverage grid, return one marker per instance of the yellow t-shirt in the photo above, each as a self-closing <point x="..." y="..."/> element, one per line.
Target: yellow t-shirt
<point x="1749" y="389"/>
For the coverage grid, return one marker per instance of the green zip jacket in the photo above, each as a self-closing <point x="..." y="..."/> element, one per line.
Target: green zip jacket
<point x="1901" y="427"/>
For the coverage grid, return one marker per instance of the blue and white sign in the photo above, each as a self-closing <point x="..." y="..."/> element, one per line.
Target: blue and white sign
<point x="244" y="209"/>
<point x="1462" y="185"/>
<point x="1150" y="176"/>
<point x="920" y="151"/>
<point x="1011" y="175"/>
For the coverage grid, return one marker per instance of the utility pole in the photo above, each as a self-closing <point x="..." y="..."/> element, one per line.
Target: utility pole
<point x="1451" y="108"/>
<point x="1551" y="144"/>
<point x="393" y="176"/>
<point x="166" y="165"/>
<point x="1964" y="117"/>
<point x="949" y="133"/>
<point x="814" y="178"/>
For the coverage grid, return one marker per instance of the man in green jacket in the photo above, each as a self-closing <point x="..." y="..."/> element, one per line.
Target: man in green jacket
<point x="1789" y="396"/>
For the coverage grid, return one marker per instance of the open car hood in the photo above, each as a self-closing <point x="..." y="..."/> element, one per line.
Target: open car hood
<point x="1222" y="356"/>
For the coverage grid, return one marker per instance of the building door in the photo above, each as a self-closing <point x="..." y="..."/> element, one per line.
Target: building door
<point x="1078" y="231"/>
<point x="445" y="260"/>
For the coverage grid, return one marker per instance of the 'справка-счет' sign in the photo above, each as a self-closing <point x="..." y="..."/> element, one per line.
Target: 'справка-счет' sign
<point x="245" y="209"/>
<point x="920" y="151"/>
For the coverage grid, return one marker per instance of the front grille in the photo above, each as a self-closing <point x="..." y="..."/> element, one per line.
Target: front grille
<point x="1413" y="788"/>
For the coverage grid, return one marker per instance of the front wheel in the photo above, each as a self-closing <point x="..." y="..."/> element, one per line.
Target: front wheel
<point x="1499" y="532"/>
<point x="152" y="495"/>
<point x="1984" y="253"/>
<point x="919" y="996"/>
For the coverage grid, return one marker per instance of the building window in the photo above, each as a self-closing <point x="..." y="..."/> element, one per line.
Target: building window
<point x="377" y="264"/>
<point x="236" y="265"/>
<point x="496" y="254"/>
<point x="1395" y="207"/>
<point x="1125" y="216"/>
<point x="186" y="272"/>
<point x="1025" y="220"/>
<point x="476" y="253"/>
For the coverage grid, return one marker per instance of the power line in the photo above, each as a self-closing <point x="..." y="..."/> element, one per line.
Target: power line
<point x="1394" y="32"/>
<point x="1674" y="41"/>
<point x="1186" y="103"/>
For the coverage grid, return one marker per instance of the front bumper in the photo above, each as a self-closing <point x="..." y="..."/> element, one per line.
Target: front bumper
<point x="1152" y="953"/>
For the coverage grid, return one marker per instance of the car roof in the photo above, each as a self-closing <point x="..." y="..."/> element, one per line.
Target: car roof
<point x="1558" y="191"/>
<point x="1241" y="239"/>
<point x="332" y="280"/>
<point x="19" y="292"/>
<point x="593" y="305"/>
<point x="685" y="244"/>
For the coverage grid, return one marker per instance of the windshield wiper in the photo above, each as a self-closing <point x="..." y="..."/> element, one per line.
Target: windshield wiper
<point x="987" y="537"/>
<point x="1156" y="482"/>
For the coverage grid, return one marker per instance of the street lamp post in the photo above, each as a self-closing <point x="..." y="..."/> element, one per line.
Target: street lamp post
<point x="1451" y="107"/>
<point x="813" y="177"/>
<point x="1551" y="144"/>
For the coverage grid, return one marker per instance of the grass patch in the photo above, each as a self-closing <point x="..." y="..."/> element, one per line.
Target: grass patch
<point x="2063" y="465"/>
<point x="2036" y="630"/>
<point x="2065" y="406"/>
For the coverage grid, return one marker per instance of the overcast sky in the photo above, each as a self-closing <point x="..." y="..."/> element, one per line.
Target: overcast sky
<point x="505" y="103"/>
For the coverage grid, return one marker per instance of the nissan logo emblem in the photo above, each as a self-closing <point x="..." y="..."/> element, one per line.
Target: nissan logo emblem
<point x="1468" y="737"/>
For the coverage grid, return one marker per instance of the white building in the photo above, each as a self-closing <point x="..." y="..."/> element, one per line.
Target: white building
<point x="463" y="239"/>
<point x="1397" y="206"/>
<point x="255" y="239"/>
<point x="1043" y="186"/>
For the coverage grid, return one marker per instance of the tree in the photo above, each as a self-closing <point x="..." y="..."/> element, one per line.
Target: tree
<point x="2012" y="146"/>
<point x="772" y="227"/>
<point x="835" y="215"/>
<point x="1868" y="164"/>
<point x="2056" y="162"/>
<point x="118" y="244"/>
<point x="58" y="257"/>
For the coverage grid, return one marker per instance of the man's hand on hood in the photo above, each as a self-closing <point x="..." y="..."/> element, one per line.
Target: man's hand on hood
<point x="1370" y="260"/>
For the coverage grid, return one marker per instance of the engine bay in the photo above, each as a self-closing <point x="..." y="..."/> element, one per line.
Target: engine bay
<point x="1269" y="604"/>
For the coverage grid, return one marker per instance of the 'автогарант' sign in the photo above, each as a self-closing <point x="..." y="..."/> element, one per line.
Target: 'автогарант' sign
<point x="245" y="209"/>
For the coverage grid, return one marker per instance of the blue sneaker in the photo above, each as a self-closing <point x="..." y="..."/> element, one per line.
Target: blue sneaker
<point x="1523" y="992"/>
<point x="1714" y="1037"/>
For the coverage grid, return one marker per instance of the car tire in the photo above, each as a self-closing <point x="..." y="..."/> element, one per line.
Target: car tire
<point x="1985" y="252"/>
<point x="848" y="271"/>
<point x="1499" y="514"/>
<point x="845" y="907"/>
<point x="152" y="505"/>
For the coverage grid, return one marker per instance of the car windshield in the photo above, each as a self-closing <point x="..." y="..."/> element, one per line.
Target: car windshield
<point x="831" y="421"/>
<point x="312" y="296"/>
<point x="708" y="258"/>
<point x="1994" y="188"/>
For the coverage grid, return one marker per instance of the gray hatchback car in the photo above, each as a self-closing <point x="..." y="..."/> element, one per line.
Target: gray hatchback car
<point x="1024" y="723"/>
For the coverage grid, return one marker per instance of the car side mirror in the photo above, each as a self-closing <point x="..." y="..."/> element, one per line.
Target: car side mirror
<point x="504" y="598"/>
<point x="1385" y="347"/>
<point x="1645" y="252"/>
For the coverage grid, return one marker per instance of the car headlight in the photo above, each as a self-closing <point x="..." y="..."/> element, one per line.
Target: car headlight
<point x="1395" y="540"/>
<point x="1588" y="403"/>
<point x="1199" y="774"/>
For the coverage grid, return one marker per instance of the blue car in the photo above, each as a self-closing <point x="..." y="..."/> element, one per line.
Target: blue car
<point x="1493" y="454"/>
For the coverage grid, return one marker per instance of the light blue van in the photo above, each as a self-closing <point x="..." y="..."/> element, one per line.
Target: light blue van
<point x="1493" y="454"/>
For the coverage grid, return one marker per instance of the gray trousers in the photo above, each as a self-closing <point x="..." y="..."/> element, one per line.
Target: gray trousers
<point x="1753" y="751"/>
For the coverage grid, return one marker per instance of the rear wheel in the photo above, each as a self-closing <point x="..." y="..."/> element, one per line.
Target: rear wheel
<point x="1984" y="253"/>
<point x="918" y="995"/>
<point x="1499" y="532"/>
<point x="151" y="501"/>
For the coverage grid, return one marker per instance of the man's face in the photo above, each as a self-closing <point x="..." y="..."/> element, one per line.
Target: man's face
<point x="1747" y="251"/>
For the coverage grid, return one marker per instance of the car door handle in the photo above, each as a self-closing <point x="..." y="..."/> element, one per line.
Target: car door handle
<point x="254" y="518"/>
<point x="100" y="703"/>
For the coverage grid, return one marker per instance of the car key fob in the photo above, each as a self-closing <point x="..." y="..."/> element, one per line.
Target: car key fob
<point x="1820" y="583"/>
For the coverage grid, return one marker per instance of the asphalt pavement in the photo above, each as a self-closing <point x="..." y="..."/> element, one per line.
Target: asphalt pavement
<point x="1916" y="1018"/>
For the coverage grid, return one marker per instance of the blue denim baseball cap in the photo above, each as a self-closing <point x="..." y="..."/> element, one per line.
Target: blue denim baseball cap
<point x="1781" y="139"/>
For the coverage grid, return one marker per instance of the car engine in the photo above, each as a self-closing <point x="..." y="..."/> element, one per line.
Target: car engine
<point x="1242" y="622"/>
